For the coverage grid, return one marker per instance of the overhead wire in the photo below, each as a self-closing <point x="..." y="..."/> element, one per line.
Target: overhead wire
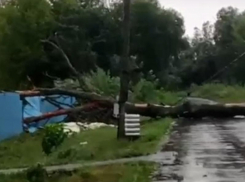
<point x="225" y="67"/>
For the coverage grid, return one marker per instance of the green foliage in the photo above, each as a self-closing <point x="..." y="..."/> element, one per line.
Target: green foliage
<point x="102" y="145"/>
<point x="136" y="172"/>
<point x="102" y="83"/>
<point x="20" y="177"/>
<point x="36" y="174"/>
<point x="157" y="35"/>
<point x="23" y="24"/>
<point x="221" y="92"/>
<point x="170" y="97"/>
<point x="213" y="48"/>
<point x="108" y="147"/>
<point x="145" y="91"/>
<point x="90" y="35"/>
<point x="54" y="136"/>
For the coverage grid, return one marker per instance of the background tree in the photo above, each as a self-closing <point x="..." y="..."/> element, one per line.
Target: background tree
<point x="199" y="60"/>
<point x="89" y="33"/>
<point x="22" y="24"/>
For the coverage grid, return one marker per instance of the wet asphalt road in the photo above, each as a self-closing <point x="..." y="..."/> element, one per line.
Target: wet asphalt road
<point x="208" y="150"/>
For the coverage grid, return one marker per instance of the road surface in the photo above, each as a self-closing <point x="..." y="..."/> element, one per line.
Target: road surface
<point x="207" y="150"/>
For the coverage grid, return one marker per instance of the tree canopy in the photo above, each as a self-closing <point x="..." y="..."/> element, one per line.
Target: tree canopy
<point x="89" y="34"/>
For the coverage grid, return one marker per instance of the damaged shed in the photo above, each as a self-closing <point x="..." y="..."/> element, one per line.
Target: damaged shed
<point x="14" y="109"/>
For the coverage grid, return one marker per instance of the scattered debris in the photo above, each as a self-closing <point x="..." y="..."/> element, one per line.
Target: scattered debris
<point x="92" y="126"/>
<point x="239" y="117"/>
<point x="77" y="127"/>
<point x="72" y="127"/>
<point x="83" y="143"/>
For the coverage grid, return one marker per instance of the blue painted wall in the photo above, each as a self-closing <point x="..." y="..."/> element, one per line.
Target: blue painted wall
<point x="10" y="115"/>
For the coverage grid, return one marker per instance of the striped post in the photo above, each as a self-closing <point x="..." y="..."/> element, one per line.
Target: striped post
<point x="132" y="125"/>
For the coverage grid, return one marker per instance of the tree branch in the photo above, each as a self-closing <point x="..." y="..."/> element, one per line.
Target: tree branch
<point x="74" y="71"/>
<point x="58" y="113"/>
<point x="85" y="96"/>
<point x="71" y="67"/>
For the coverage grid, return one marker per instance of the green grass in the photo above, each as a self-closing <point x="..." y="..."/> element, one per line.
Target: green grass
<point x="102" y="144"/>
<point x="220" y="92"/>
<point x="132" y="172"/>
<point x="217" y="92"/>
<point x="213" y="91"/>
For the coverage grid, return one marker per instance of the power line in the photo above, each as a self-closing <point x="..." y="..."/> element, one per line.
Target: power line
<point x="224" y="68"/>
<point x="220" y="71"/>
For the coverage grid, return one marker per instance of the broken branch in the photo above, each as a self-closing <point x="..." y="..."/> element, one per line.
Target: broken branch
<point x="71" y="67"/>
<point x="59" y="113"/>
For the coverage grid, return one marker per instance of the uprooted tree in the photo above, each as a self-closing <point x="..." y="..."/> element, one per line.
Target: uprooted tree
<point x="189" y="108"/>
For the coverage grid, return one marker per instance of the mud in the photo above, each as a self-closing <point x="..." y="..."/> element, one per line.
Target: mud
<point x="207" y="150"/>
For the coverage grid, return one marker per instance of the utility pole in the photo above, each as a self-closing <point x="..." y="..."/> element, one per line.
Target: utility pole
<point x="125" y="68"/>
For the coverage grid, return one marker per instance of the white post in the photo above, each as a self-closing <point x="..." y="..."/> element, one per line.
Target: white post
<point x="116" y="108"/>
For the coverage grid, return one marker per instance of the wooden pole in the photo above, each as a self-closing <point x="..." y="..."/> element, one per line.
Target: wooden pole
<point x="125" y="68"/>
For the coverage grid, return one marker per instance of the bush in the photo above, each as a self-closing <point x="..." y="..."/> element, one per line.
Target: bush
<point x="102" y="83"/>
<point x="54" y="136"/>
<point x="36" y="174"/>
<point x="145" y="91"/>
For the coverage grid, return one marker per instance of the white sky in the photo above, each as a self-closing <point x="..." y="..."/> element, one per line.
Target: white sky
<point x="196" y="12"/>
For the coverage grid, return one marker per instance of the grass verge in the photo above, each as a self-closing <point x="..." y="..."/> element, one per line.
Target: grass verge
<point x="221" y="92"/>
<point x="102" y="144"/>
<point x="131" y="172"/>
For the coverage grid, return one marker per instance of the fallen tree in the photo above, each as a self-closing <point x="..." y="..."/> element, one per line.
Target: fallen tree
<point x="189" y="107"/>
<point x="59" y="112"/>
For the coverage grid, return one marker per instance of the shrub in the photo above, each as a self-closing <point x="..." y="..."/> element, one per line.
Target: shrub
<point x="54" y="136"/>
<point x="145" y="91"/>
<point x="36" y="174"/>
<point x="102" y="83"/>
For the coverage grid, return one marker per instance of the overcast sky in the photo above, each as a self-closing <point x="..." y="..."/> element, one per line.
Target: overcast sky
<point x="196" y="12"/>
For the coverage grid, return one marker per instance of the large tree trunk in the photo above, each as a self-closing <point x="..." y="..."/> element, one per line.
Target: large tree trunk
<point x="189" y="108"/>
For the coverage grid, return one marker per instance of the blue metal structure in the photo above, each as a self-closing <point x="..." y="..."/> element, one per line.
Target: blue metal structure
<point x="13" y="110"/>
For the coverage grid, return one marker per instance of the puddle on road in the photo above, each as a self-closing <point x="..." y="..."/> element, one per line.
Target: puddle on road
<point x="205" y="151"/>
